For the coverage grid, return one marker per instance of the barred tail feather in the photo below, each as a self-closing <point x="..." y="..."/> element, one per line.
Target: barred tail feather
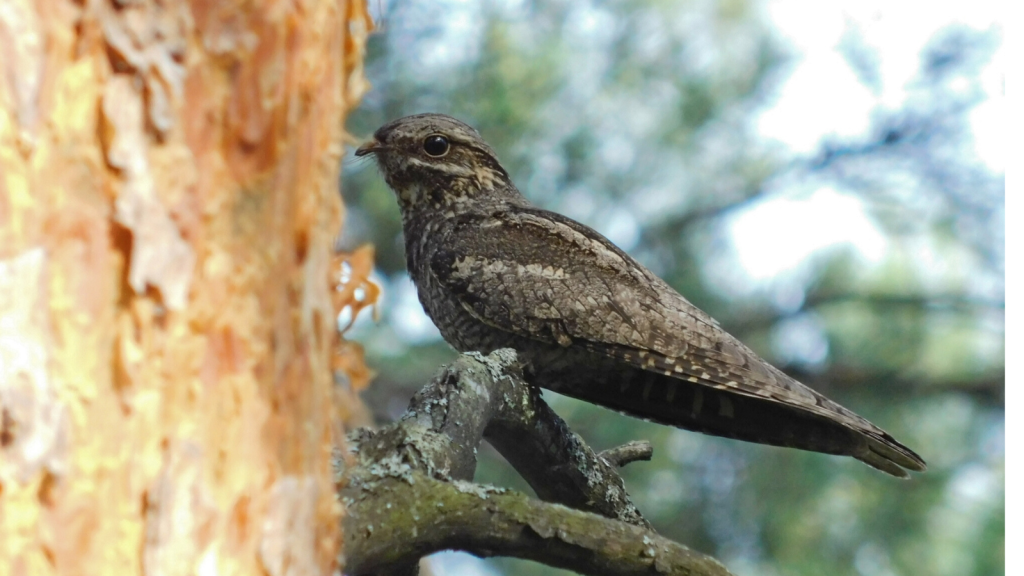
<point x="889" y="456"/>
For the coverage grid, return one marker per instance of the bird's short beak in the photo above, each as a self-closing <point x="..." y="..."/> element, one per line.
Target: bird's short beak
<point x="368" y="148"/>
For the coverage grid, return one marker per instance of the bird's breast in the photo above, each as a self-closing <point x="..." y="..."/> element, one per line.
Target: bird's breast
<point x="423" y="237"/>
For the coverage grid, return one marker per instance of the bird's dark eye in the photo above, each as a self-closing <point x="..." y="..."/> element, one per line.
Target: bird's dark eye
<point x="436" y="145"/>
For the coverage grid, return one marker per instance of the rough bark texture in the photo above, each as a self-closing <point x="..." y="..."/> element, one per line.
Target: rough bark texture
<point x="406" y="492"/>
<point x="168" y="201"/>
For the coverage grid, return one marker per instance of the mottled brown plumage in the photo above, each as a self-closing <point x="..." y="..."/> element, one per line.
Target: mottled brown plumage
<point x="493" y="271"/>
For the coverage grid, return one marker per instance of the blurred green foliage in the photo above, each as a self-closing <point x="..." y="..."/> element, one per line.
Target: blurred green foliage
<point x="636" y="117"/>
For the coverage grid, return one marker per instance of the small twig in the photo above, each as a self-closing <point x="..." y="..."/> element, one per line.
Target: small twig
<point x="628" y="453"/>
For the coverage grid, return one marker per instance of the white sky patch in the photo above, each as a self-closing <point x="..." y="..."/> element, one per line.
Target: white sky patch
<point x="823" y="97"/>
<point x="438" y="43"/>
<point x="449" y="562"/>
<point x="622" y="229"/>
<point x="801" y="339"/>
<point x="988" y="119"/>
<point x="411" y="323"/>
<point x="779" y="234"/>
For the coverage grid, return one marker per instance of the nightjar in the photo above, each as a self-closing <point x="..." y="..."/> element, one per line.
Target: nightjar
<point x="493" y="271"/>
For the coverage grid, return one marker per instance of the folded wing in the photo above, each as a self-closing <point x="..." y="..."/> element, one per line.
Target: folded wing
<point x="540" y="275"/>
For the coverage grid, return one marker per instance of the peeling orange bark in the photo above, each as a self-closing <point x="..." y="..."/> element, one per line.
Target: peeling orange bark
<point x="168" y="204"/>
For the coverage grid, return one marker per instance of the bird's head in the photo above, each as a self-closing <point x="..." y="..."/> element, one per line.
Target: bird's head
<point x="433" y="161"/>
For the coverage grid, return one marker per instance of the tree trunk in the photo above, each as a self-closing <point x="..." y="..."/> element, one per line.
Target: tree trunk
<point x="168" y="202"/>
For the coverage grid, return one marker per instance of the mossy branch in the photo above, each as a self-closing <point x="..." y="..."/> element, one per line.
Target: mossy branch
<point x="407" y="491"/>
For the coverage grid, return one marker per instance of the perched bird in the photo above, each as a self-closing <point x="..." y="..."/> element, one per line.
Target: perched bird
<point x="493" y="271"/>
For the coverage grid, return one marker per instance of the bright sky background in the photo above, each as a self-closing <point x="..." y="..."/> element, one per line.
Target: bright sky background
<point x="823" y="97"/>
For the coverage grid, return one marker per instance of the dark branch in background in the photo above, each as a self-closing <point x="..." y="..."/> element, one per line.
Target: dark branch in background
<point x="407" y="494"/>
<point x="987" y="391"/>
<point x="986" y="388"/>
<point x="951" y="304"/>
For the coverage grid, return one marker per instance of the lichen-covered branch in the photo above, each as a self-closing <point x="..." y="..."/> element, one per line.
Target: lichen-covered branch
<point x="407" y="494"/>
<point x="556" y="462"/>
<point x="395" y="521"/>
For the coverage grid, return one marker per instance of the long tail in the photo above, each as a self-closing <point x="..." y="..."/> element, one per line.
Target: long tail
<point x="701" y="408"/>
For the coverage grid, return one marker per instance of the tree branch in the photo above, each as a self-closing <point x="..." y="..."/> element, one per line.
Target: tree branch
<point x="628" y="453"/>
<point x="406" y="495"/>
<point x="553" y="460"/>
<point x="399" y="520"/>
